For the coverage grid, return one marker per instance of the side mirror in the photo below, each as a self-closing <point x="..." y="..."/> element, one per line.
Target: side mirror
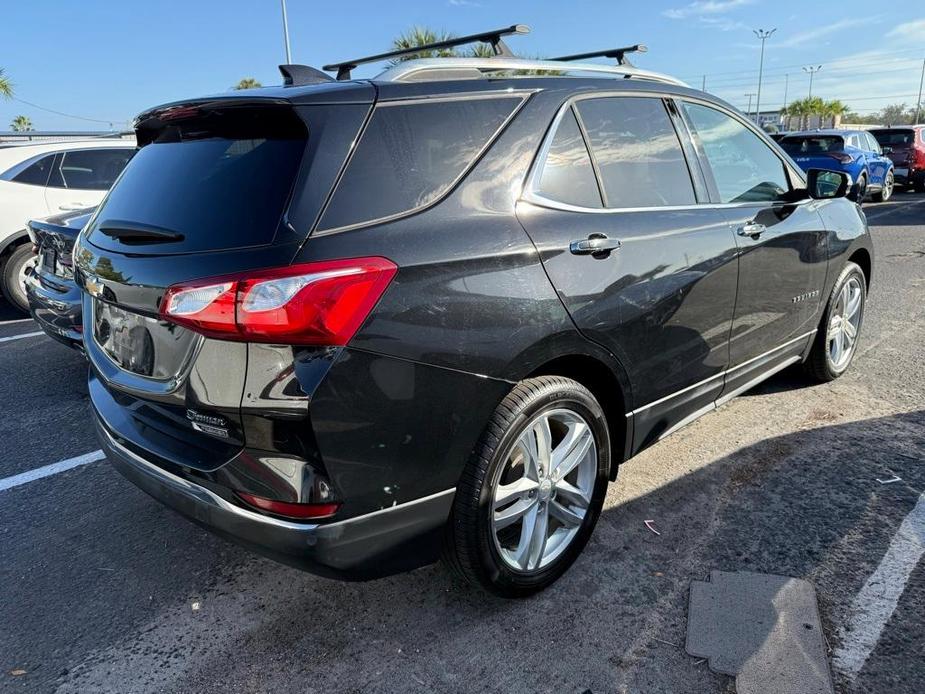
<point x="827" y="185"/>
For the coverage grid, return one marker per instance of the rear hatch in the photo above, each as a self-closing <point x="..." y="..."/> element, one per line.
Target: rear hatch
<point x="54" y="239"/>
<point x="898" y="144"/>
<point x="217" y="187"/>
<point x="816" y="151"/>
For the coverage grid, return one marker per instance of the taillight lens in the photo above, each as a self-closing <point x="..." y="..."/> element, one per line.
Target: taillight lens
<point x="843" y="157"/>
<point x="290" y="509"/>
<point x="321" y="303"/>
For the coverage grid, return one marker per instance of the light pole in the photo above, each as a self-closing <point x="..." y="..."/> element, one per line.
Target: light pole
<point x="812" y="71"/>
<point x="918" y="104"/>
<point x="286" y="33"/>
<point x="749" y="111"/>
<point x="786" y="89"/>
<point x="762" y="36"/>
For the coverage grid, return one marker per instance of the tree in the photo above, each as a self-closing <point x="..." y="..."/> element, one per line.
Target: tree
<point x="6" y="87"/>
<point x="21" y="124"/>
<point x="895" y="114"/>
<point x="247" y="83"/>
<point x="419" y="36"/>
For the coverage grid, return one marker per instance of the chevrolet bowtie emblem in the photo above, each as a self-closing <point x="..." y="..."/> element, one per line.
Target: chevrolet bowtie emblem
<point x="93" y="285"/>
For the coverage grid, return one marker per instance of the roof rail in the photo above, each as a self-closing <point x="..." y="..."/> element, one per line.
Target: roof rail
<point x="429" y="69"/>
<point x="297" y="75"/>
<point x="618" y="53"/>
<point x="493" y="38"/>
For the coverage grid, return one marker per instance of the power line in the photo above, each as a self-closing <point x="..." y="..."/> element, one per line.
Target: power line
<point x="67" y="115"/>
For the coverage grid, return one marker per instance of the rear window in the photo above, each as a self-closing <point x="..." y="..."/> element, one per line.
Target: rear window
<point x="411" y="153"/>
<point x="36" y="174"/>
<point x="893" y="138"/>
<point x="90" y="169"/>
<point x="221" y="182"/>
<point x="813" y="144"/>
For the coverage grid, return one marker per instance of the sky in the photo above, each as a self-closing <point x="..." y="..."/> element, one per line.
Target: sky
<point x="105" y="61"/>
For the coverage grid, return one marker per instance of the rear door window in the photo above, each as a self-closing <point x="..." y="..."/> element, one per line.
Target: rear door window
<point x="637" y="152"/>
<point x="744" y="167"/>
<point x="411" y="153"/>
<point x="91" y="169"/>
<point x="567" y="175"/>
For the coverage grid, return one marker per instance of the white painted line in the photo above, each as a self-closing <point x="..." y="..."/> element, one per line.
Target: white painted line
<point x="880" y="212"/>
<point x="18" y="320"/>
<point x="874" y="605"/>
<point x="19" y="337"/>
<point x="47" y="470"/>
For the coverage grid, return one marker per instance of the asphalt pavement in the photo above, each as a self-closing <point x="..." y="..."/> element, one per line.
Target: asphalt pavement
<point x="104" y="590"/>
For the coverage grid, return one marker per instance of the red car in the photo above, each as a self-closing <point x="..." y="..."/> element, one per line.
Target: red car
<point x="905" y="145"/>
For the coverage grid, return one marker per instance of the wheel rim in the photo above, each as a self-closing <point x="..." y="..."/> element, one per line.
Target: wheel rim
<point x="541" y="494"/>
<point x="862" y="188"/>
<point x="888" y="186"/>
<point x="21" y="276"/>
<point x="845" y="323"/>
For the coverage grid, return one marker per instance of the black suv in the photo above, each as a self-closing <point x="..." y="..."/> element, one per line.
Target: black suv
<point x="351" y="323"/>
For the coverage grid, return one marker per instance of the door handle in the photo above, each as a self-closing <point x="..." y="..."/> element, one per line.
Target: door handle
<point x="595" y="244"/>
<point x="753" y="229"/>
<point x="71" y="207"/>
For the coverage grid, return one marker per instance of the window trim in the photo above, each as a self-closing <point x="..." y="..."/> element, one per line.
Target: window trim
<point x="523" y="94"/>
<point x="530" y="190"/>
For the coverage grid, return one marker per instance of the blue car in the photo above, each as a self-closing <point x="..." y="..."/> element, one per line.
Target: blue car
<point x="855" y="152"/>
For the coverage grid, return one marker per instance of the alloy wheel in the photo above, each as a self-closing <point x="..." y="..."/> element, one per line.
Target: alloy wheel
<point x="542" y="492"/>
<point x="845" y="323"/>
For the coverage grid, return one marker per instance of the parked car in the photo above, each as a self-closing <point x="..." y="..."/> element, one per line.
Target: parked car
<point x="905" y="146"/>
<point x="54" y="298"/>
<point x="350" y="324"/>
<point x="44" y="178"/>
<point x="855" y="152"/>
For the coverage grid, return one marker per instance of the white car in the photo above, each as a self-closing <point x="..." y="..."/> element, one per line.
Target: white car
<point x="41" y="179"/>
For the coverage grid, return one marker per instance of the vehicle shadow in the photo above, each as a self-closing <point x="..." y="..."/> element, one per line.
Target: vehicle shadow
<point x="805" y="504"/>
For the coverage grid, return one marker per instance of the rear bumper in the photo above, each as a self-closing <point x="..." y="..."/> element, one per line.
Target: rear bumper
<point x="56" y="307"/>
<point x="369" y="546"/>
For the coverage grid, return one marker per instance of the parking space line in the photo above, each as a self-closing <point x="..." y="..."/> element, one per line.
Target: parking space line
<point x="48" y="470"/>
<point x="20" y="337"/>
<point x="876" y="214"/>
<point x="874" y="605"/>
<point x="18" y="320"/>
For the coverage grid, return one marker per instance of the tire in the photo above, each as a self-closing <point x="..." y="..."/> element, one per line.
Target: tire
<point x="13" y="268"/>
<point x="484" y="555"/>
<point x="822" y="363"/>
<point x="886" y="192"/>
<point x="862" y="187"/>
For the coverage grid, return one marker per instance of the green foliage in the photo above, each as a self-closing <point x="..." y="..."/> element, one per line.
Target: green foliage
<point x="21" y="124"/>
<point x="247" y="83"/>
<point x="6" y="87"/>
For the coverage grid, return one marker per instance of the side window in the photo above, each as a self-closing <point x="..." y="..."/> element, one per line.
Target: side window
<point x="412" y="153"/>
<point x="637" y="151"/>
<point x="92" y="169"/>
<point x="872" y="144"/>
<point x="853" y="141"/>
<point x="744" y="168"/>
<point x="36" y="174"/>
<point x="568" y="175"/>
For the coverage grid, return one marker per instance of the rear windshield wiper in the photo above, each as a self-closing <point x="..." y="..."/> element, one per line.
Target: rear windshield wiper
<point x="134" y="232"/>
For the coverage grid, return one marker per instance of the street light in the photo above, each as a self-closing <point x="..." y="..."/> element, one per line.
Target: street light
<point x="286" y="33"/>
<point x="762" y="36"/>
<point x="812" y="71"/>
<point x="748" y="111"/>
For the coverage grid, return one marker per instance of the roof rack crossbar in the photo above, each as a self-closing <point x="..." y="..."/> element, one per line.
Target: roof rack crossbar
<point x="619" y="54"/>
<point x="493" y="38"/>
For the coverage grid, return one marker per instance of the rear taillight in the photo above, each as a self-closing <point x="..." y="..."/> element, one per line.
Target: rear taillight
<point x="843" y="157"/>
<point x="322" y="303"/>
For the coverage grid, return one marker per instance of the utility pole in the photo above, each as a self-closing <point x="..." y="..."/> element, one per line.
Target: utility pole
<point x="703" y="84"/>
<point x="918" y="104"/>
<point x="749" y="111"/>
<point x="762" y="36"/>
<point x="286" y="33"/>
<point x="812" y="71"/>
<point x="786" y="88"/>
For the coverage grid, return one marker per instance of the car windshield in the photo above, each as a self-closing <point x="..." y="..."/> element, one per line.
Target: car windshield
<point x="813" y="144"/>
<point x="893" y="138"/>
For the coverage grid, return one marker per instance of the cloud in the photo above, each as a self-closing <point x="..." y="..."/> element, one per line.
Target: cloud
<point x="723" y="23"/>
<point x="822" y="31"/>
<point x="701" y="8"/>
<point x="910" y="30"/>
<point x="463" y="3"/>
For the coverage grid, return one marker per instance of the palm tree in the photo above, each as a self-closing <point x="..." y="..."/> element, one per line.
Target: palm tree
<point x="834" y="110"/>
<point x="21" y="124"/>
<point x="420" y="36"/>
<point x="247" y="83"/>
<point x="6" y="87"/>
